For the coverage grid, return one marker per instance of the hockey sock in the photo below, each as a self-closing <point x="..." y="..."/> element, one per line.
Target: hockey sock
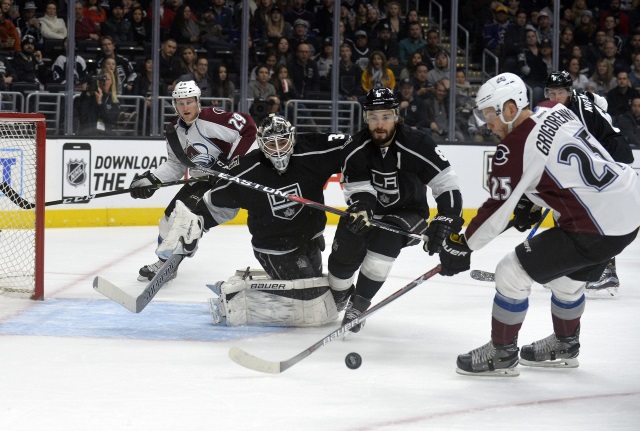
<point x="507" y="317"/>
<point x="566" y="316"/>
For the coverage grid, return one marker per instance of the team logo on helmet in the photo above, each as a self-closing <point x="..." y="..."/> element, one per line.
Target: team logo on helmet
<point x="500" y="79"/>
<point x="76" y="172"/>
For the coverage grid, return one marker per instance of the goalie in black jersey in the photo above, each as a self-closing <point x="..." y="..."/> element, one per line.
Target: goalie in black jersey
<point x="287" y="237"/>
<point x="387" y="168"/>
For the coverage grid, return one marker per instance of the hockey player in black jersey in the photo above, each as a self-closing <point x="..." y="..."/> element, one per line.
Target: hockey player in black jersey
<point x="591" y="109"/>
<point x="386" y="170"/>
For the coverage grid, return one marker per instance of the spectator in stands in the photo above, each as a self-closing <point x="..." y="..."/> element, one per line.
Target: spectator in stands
<point x="28" y="65"/>
<point x="412" y="43"/>
<point x="283" y="51"/>
<point x="350" y="75"/>
<point x="270" y="60"/>
<point x="223" y="16"/>
<point x="275" y="27"/>
<point x="348" y="18"/>
<point x="629" y="124"/>
<point x="544" y="27"/>
<point x="361" y="50"/>
<point x="261" y="88"/>
<point x="634" y="76"/>
<point x="170" y="67"/>
<point x="432" y="48"/>
<point x="284" y="86"/>
<point x="200" y="76"/>
<point x="59" y="68"/>
<point x="371" y="24"/>
<point x="143" y="86"/>
<point x="546" y="55"/>
<point x="412" y="109"/>
<point x="580" y="80"/>
<point x="630" y="48"/>
<point x="141" y="27"/>
<point x="6" y="73"/>
<point x="27" y="23"/>
<point x="361" y="14"/>
<point x="578" y="8"/>
<point x="184" y="28"/>
<point x="221" y="85"/>
<point x="584" y="32"/>
<point x="515" y="40"/>
<point x="51" y="26"/>
<point x="621" y="19"/>
<point x="394" y="19"/>
<point x="411" y="16"/>
<point x="304" y="71"/>
<point x="493" y="33"/>
<point x="566" y="46"/>
<point x="533" y="70"/>
<point x="387" y="45"/>
<point x="124" y="70"/>
<point x="441" y="68"/>
<point x="410" y="67"/>
<point x="602" y="80"/>
<point x="211" y="32"/>
<point x="118" y="83"/>
<point x="324" y="18"/>
<point x="301" y="35"/>
<point x="619" y="98"/>
<point x="438" y="113"/>
<point x="97" y="109"/>
<point x="422" y="86"/>
<point x="188" y="58"/>
<point x="611" y="55"/>
<point x="377" y="74"/>
<point x="299" y="12"/>
<point x="9" y="36"/>
<point x="324" y="62"/>
<point x="85" y="28"/>
<point x="95" y="11"/>
<point x="116" y="25"/>
<point x="262" y="11"/>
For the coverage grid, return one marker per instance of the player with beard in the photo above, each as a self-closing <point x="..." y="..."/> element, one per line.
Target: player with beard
<point x="386" y="170"/>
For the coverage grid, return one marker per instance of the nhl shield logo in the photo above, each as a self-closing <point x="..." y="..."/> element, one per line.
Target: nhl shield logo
<point x="76" y="172"/>
<point x="284" y="208"/>
<point x="487" y="156"/>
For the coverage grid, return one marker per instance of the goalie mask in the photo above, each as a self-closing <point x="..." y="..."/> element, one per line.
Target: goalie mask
<point x="184" y="90"/>
<point x="276" y="139"/>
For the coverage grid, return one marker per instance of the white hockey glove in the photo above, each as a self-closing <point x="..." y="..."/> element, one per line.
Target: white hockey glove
<point x="185" y="231"/>
<point x="146" y="179"/>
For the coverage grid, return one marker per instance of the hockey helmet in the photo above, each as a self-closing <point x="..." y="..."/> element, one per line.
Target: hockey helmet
<point x="184" y="89"/>
<point x="560" y="79"/>
<point x="499" y="90"/>
<point x="381" y="99"/>
<point x="276" y="139"/>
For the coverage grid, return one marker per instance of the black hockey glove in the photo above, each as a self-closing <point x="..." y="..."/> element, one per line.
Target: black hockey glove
<point x="455" y="256"/>
<point x="526" y="214"/>
<point x="146" y="179"/>
<point x="358" y="218"/>
<point x="439" y="229"/>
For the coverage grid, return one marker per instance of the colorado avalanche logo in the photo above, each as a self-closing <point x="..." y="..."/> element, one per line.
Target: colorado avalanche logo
<point x="502" y="155"/>
<point x="76" y="172"/>
<point x="284" y="208"/>
<point x="199" y="154"/>
<point x="500" y="79"/>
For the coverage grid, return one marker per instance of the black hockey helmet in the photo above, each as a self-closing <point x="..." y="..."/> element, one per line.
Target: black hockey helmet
<point x="380" y="99"/>
<point x="560" y="79"/>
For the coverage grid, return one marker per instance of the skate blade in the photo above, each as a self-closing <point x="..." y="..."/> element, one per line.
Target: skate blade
<point x="605" y="293"/>
<point x="558" y="363"/>
<point x="504" y="372"/>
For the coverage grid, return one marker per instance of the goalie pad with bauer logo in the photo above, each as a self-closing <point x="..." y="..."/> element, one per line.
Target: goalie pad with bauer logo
<point x="251" y="298"/>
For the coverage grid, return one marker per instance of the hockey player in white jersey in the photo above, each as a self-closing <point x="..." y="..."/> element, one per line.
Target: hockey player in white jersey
<point x="205" y="135"/>
<point x="549" y="156"/>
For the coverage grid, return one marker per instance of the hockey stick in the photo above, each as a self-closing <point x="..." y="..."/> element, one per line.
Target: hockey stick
<point x="137" y="303"/>
<point x="24" y="204"/>
<point x="479" y="275"/>
<point x="252" y="362"/>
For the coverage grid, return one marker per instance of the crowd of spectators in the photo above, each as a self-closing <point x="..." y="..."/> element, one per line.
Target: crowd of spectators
<point x="291" y="51"/>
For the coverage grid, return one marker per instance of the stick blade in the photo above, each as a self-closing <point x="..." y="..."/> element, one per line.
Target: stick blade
<point x="114" y="293"/>
<point x="251" y="362"/>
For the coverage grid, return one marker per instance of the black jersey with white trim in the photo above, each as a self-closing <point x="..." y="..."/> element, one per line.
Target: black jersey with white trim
<point x="277" y="224"/>
<point x="397" y="176"/>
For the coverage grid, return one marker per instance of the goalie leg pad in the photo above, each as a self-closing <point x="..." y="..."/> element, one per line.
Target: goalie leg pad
<point x="185" y="231"/>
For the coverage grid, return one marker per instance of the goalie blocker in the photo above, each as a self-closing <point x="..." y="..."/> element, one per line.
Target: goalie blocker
<point x="251" y="298"/>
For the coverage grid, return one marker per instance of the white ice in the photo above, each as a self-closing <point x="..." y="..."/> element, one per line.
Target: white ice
<point x="78" y="361"/>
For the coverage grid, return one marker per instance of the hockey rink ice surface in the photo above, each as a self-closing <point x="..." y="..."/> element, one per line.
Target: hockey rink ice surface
<point x="78" y="361"/>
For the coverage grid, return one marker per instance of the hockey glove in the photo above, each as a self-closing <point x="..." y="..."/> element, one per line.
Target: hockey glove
<point x="526" y="214"/>
<point x="358" y="218"/>
<point x="439" y="229"/>
<point x="146" y="179"/>
<point x="455" y="256"/>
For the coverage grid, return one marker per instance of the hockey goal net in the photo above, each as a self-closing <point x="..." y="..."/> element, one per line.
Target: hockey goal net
<point x="22" y="160"/>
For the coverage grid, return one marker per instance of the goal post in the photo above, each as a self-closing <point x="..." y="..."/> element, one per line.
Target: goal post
<point x="22" y="197"/>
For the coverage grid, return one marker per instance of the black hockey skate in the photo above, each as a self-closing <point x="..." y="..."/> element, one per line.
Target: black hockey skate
<point x="147" y="272"/>
<point x="490" y="360"/>
<point x="552" y="352"/>
<point x="355" y="307"/>
<point x="607" y="285"/>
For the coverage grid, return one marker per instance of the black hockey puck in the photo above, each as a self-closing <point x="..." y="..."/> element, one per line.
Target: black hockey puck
<point x="353" y="360"/>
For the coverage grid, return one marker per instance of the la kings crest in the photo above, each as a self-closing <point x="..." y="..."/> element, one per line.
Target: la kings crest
<point x="284" y="208"/>
<point x="387" y="187"/>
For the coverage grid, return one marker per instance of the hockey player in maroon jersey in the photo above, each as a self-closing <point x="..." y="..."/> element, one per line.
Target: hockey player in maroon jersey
<point x="387" y="168"/>
<point x="549" y="156"/>
<point x="205" y="136"/>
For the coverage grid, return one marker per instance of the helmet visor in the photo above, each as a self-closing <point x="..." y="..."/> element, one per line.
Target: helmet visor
<point x="485" y="115"/>
<point x="556" y="94"/>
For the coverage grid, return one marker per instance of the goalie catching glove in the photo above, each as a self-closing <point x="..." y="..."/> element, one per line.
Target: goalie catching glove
<point x="144" y="180"/>
<point x="185" y="231"/>
<point x="439" y="230"/>
<point x="455" y="256"/>
<point x="358" y="219"/>
<point x="526" y="214"/>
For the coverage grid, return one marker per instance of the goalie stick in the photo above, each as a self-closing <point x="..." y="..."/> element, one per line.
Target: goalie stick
<point x="479" y="275"/>
<point x="247" y="360"/>
<point x="24" y="204"/>
<point x="137" y="303"/>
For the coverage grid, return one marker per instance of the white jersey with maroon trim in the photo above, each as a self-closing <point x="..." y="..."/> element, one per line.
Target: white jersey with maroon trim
<point x="552" y="159"/>
<point x="214" y="133"/>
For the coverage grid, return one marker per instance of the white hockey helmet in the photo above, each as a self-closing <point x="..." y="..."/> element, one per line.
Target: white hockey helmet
<point x="499" y="90"/>
<point x="184" y="89"/>
<point x="276" y="139"/>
